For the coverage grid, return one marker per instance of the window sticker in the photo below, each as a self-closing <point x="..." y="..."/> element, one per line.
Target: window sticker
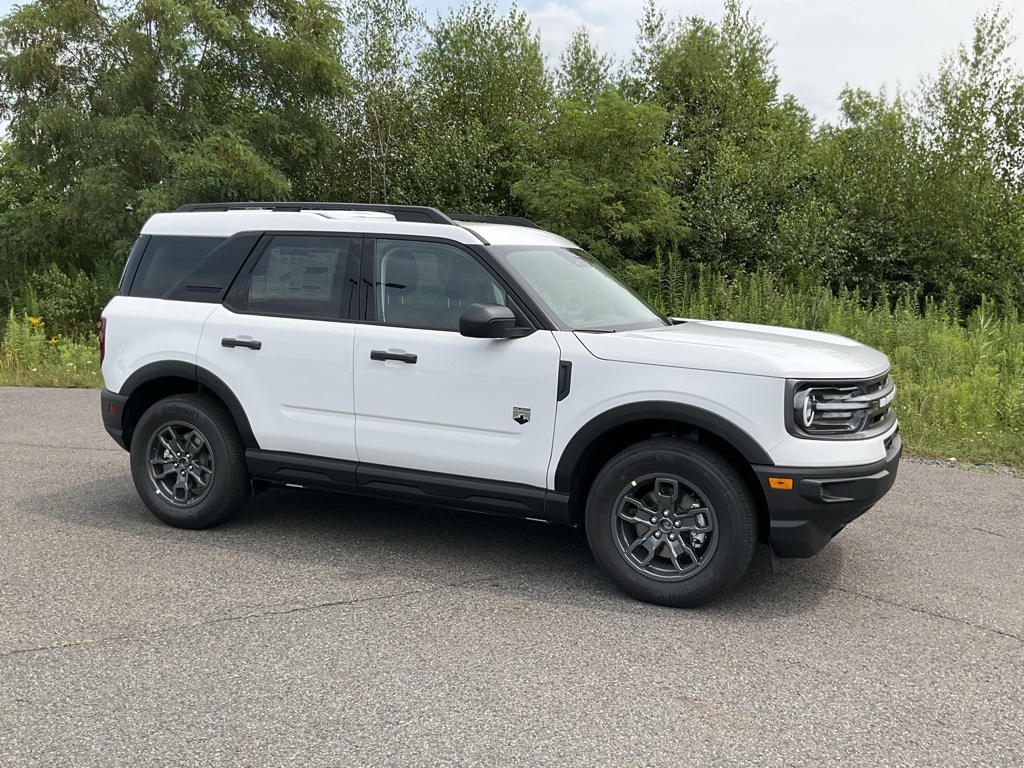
<point x="297" y="273"/>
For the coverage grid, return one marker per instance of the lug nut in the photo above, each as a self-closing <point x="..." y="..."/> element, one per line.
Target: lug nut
<point x="671" y="537"/>
<point x="657" y="534"/>
<point x="679" y="523"/>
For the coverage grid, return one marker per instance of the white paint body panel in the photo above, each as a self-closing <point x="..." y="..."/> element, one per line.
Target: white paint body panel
<point x="754" y="350"/>
<point x="505" y="234"/>
<point x="143" y="331"/>
<point x="297" y="389"/>
<point x="451" y="411"/>
<point x="225" y="224"/>
<point x="754" y="403"/>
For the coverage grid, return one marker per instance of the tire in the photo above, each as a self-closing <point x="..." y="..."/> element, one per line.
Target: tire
<point x="188" y="462"/>
<point x="671" y="522"/>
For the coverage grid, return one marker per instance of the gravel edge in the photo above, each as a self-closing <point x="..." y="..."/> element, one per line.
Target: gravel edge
<point x="983" y="469"/>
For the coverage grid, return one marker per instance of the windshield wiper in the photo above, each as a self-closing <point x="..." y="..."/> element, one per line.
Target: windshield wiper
<point x="594" y="330"/>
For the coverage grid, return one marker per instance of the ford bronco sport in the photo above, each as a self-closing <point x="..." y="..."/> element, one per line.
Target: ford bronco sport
<point x="486" y="364"/>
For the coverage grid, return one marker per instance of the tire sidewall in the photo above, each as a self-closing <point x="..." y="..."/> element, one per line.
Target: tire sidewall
<point x="712" y="475"/>
<point x="211" y="508"/>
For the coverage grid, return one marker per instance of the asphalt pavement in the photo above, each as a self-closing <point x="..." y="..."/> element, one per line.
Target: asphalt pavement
<point x="317" y="629"/>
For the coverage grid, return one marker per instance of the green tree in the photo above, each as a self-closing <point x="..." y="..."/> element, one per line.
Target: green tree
<point x="739" y="149"/>
<point x="583" y="71"/>
<point x="122" y="111"/>
<point x="860" y="225"/>
<point x="483" y="82"/>
<point x="601" y="177"/>
<point x="973" y="135"/>
<point x="377" y="123"/>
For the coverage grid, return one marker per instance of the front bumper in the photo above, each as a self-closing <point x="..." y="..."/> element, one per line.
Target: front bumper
<point x="112" y="407"/>
<point x="823" y="501"/>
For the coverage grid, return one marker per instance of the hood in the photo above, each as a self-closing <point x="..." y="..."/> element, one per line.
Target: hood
<point x="757" y="350"/>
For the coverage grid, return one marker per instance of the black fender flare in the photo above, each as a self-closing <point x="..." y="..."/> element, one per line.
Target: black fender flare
<point x="179" y="369"/>
<point x="655" y="410"/>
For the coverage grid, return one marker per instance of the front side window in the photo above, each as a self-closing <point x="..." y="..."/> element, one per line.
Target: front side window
<point x="428" y="285"/>
<point x="302" y="276"/>
<point x="577" y="290"/>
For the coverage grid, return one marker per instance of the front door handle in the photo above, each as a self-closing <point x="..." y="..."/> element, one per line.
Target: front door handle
<point x="402" y="357"/>
<point x="247" y="343"/>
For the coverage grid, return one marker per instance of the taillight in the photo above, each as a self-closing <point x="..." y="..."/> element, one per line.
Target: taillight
<point x="103" y="338"/>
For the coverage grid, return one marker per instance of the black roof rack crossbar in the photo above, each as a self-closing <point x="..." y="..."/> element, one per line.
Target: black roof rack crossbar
<point x="518" y="221"/>
<point x="412" y="213"/>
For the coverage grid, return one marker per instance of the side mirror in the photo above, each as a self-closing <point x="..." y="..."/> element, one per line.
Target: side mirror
<point x="489" y="321"/>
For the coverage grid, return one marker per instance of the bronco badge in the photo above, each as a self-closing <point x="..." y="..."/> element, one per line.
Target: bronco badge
<point x="520" y="415"/>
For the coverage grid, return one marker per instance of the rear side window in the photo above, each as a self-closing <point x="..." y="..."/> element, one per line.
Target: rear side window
<point x="132" y="265"/>
<point x="303" y="276"/>
<point x="168" y="259"/>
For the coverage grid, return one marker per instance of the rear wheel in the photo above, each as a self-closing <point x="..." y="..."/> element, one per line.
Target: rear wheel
<point x="188" y="462"/>
<point x="671" y="522"/>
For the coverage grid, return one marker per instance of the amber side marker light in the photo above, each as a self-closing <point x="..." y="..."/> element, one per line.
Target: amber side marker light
<point x="781" y="483"/>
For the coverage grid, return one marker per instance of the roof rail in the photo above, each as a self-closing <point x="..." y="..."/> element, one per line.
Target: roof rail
<point x="518" y="221"/>
<point x="411" y="213"/>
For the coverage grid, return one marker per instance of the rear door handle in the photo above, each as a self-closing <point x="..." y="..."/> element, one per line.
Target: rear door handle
<point x="247" y="343"/>
<point x="402" y="357"/>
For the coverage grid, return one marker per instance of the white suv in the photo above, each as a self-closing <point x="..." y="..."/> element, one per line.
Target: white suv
<point x="486" y="364"/>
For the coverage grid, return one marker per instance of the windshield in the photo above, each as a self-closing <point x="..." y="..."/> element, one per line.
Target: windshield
<point x="577" y="290"/>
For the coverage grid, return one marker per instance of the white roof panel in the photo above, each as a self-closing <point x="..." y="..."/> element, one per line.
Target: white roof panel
<point x="507" y="234"/>
<point x="227" y="223"/>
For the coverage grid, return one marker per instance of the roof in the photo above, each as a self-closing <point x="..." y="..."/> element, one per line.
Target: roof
<point x="227" y="219"/>
<point x="506" y="234"/>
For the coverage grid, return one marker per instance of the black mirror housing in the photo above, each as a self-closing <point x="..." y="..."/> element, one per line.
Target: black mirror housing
<point x="488" y="321"/>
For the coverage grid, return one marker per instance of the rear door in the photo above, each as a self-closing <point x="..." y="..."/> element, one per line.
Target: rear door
<point x="283" y="343"/>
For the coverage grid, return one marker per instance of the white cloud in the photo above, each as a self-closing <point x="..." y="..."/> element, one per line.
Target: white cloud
<point x="557" y="23"/>
<point x="820" y="45"/>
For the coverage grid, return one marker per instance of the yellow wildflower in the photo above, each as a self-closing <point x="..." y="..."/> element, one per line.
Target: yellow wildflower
<point x="36" y="321"/>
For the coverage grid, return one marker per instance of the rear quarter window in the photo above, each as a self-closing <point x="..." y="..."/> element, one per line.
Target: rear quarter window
<point x="166" y="260"/>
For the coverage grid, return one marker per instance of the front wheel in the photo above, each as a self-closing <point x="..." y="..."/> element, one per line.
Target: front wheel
<point x="671" y="523"/>
<point x="188" y="462"/>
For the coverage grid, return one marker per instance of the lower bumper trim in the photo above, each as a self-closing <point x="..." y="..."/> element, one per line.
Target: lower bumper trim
<point x="112" y="417"/>
<point x="823" y="501"/>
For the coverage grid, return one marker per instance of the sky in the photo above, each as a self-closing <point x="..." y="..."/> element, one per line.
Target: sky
<point x="820" y="45"/>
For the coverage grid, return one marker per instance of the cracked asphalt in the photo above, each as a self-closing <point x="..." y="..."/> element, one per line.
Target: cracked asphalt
<point x="316" y="629"/>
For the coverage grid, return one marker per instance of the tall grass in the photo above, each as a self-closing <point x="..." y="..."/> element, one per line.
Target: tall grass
<point x="32" y="357"/>
<point x="960" y="381"/>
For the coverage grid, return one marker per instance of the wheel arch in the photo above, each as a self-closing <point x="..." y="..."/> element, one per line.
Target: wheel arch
<point x="156" y="381"/>
<point x="605" y="435"/>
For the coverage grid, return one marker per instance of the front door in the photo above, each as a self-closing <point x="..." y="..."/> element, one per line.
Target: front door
<point x="430" y="399"/>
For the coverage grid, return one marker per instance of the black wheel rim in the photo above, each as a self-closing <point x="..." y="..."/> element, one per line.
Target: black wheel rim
<point x="180" y="464"/>
<point x="664" y="527"/>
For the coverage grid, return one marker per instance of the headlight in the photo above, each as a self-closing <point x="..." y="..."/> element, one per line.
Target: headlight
<point x="807" y="409"/>
<point x="847" y="409"/>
